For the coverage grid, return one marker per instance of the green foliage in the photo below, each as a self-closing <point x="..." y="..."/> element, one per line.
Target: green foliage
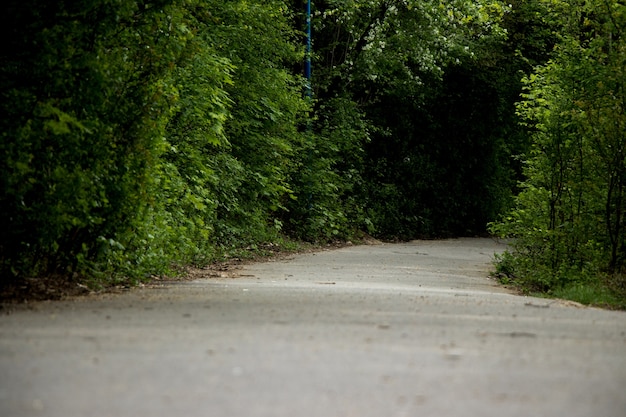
<point x="119" y="145"/>
<point x="429" y="80"/>
<point x="328" y="175"/>
<point x="568" y="221"/>
<point x="253" y="187"/>
<point x="138" y="136"/>
<point x="82" y="102"/>
<point x="185" y="204"/>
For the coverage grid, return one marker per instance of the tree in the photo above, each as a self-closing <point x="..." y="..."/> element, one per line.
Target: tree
<point x="404" y="65"/>
<point x="569" y="220"/>
<point x="102" y="100"/>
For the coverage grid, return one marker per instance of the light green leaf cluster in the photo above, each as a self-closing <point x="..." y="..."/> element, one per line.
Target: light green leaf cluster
<point x="568" y="221"/>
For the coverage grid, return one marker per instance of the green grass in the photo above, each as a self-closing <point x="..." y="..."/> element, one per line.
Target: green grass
<point x="591" y="294"/>
<point x="598" y="290"/>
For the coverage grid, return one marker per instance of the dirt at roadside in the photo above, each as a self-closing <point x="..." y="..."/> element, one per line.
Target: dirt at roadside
<point x="59" y="287"/>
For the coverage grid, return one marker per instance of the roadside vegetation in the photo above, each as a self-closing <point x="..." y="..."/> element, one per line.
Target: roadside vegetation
<point x="568" y="220"/>
<point x="139" y="137"/>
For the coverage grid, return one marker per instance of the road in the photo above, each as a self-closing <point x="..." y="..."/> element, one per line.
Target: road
<point x="415" y="329"/>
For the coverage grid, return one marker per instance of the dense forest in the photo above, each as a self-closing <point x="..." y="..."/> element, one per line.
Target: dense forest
<point x="139" y="136"/>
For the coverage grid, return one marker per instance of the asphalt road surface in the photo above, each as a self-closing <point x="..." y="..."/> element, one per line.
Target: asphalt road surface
<point x="414" y="329"/>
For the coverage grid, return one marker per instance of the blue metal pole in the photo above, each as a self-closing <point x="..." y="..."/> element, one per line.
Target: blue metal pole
<point x="307" y="64"/>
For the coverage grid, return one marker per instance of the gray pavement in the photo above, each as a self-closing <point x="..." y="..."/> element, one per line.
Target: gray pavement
<point x="415" y="329"/>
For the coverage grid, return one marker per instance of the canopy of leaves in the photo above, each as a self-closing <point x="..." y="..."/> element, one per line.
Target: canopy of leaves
<point x="138" y="136"/>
